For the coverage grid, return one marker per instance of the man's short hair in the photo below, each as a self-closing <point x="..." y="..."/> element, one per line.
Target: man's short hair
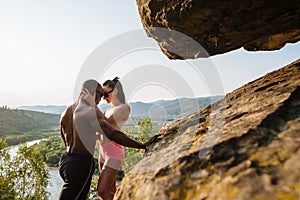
<point x="92" y="86"/>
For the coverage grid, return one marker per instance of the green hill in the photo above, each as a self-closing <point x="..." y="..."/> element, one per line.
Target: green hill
<point x="168" y="109"/>
<point x="17" y="126"/>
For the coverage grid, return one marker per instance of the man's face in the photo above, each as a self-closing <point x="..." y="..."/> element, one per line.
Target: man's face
<point x="99" y="94"/>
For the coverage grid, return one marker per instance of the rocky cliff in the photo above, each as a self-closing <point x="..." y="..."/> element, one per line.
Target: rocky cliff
<point x="246" y="146"/>
<point x="220" y="26"/>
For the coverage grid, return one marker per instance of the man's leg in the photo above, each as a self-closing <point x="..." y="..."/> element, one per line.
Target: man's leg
<point x="67" y="167"/>
<point x="76" y="173"/>
<point x="87" y="185"/>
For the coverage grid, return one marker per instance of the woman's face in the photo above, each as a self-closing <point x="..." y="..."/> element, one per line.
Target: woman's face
<point x="109" y="92"/>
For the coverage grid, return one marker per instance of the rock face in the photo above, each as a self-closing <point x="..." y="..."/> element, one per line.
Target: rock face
<point x="220" y="26"/>
<point x="246" y="146"/>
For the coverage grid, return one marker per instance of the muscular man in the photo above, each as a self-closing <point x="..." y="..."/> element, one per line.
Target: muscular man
<point x="79" y="124"/>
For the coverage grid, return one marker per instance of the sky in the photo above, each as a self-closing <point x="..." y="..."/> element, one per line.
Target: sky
<point x="48" y="48"/>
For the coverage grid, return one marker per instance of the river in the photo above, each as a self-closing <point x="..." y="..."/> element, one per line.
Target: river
<point x="55" y="181"/>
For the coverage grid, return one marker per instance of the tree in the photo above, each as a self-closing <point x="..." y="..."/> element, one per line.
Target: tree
<point x="6" y="191"/>
<point x="51" y="149"/>
<point x="145" y="131"/>
<point x="6" y="187"/>
<point x="23" y="176"/>
<point x="144" y="128"/>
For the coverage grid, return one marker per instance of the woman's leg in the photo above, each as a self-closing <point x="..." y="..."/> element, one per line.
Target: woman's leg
<point x="107" y="179"/>
<point x="100" y="164"/>
<point x="113" y="185"/>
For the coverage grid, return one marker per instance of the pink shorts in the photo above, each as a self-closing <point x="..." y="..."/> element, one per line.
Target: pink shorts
<point x="111" y="150"/>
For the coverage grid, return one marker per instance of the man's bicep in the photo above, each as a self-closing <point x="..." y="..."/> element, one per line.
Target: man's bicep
<point x="107" y="129"/>
<point x="62" y="135"/>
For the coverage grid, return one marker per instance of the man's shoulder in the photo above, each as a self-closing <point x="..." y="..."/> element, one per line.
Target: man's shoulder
<point x="84" y="110"/>
<point x="68" y="113"/>
<point x="69" y="110"/>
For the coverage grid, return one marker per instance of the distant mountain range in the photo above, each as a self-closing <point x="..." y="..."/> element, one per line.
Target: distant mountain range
<point x="27" y="123"/>
<point x="17" y="126"/>
<point x="45" y="109"/>
<point x="157" y="109"/>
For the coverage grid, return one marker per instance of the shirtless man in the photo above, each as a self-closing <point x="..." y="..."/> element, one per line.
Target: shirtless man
<point x="78" y="125"/>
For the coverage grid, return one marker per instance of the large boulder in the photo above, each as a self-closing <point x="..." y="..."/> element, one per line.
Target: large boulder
<point x="220" y="26"/>
<point x="245" y="146"/>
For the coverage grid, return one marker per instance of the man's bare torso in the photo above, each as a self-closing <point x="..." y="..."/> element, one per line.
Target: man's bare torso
<point x="77" y="132"/>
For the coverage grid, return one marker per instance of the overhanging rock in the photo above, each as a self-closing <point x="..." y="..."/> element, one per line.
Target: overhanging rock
<point x="220" y="26"/>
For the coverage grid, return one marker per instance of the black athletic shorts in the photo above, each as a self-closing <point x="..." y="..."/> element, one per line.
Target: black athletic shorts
<point x="76" y="170"/>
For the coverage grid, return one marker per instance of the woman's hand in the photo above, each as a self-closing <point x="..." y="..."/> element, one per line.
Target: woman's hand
<point x="86" y="95"/>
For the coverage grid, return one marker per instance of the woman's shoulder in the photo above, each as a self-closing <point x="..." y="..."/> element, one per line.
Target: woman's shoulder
<point x="125" y="105"/>
<point x="122" y="108"/>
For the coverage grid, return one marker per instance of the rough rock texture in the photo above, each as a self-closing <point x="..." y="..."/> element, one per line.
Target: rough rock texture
<point x="246" y="146"/>
<point x="220" y="26"/>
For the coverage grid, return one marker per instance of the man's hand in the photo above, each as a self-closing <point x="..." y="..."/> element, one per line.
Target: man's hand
<point x="86" y="95"/>
<point x="152" y="140"/>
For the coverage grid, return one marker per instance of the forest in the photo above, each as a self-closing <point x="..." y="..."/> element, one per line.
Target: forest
<point x="19" y="126"/>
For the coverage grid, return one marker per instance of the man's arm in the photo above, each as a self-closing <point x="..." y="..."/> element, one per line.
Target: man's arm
<point x="62" y="135"/>
<point x="61" y="126"/>
<point x="101" y="125"/>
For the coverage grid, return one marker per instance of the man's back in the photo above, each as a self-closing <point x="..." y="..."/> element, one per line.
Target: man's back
<point x="84" y="133"/>
<point x="76" y="131"/>
<point x="66" y="126"/>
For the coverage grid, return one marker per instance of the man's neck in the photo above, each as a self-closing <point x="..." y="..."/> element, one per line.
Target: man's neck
<point x="81" y="100"/>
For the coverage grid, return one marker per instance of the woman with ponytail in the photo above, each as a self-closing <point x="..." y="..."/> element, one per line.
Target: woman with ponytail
<point x="111" y="154"/>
